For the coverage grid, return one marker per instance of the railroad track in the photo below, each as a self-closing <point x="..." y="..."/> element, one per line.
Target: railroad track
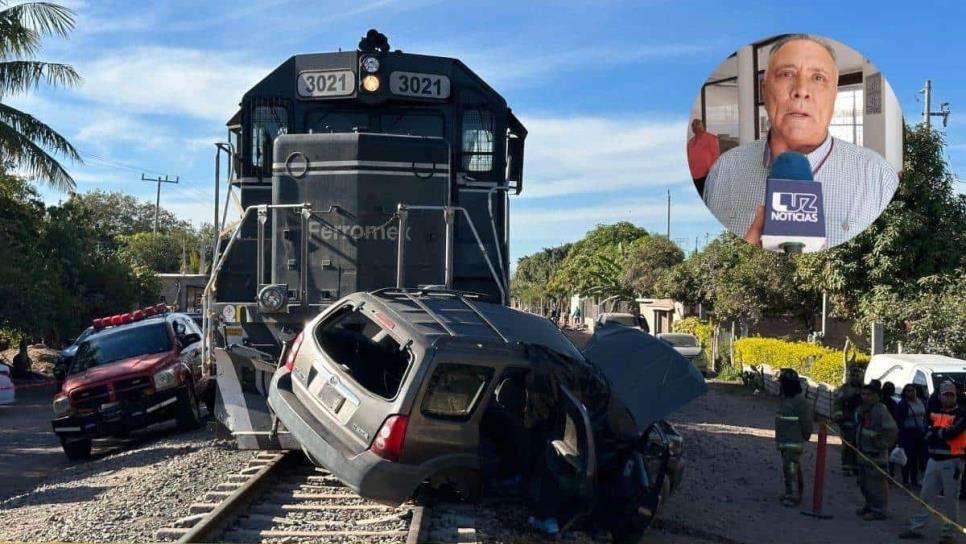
<point x="280" y="497"/>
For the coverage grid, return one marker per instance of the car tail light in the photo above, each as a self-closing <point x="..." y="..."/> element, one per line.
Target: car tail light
<point x="389" y="440"/>
<point x="293" y="350"/>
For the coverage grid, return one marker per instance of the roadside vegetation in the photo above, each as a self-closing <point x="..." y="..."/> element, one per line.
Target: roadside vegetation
<point x="908" y="271"/>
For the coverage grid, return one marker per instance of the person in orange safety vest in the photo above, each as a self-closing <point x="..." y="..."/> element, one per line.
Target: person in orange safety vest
<point x="946" y="443"/>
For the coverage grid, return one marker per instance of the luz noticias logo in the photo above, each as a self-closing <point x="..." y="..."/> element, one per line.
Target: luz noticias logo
<point x="799" y="207"/>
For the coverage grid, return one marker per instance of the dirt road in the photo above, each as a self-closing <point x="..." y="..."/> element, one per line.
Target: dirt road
<point x="733" y="480"/>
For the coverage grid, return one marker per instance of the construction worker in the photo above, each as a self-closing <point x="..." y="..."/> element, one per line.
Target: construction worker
<point x="876" y="431"/>
<point x="847" y="400"/>
<point x="945" y="442"/>
<point x="793" y="427"/>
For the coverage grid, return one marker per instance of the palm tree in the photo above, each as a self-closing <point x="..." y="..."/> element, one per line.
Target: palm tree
<point x="25" y="141"/>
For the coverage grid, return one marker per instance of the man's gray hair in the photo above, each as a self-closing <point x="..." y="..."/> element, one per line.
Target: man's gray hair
<point x="792" y="37"/>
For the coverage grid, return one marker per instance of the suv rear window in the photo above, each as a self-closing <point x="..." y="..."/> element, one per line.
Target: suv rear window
<point x="454" y="390"/>
<point x="365" y="351"/>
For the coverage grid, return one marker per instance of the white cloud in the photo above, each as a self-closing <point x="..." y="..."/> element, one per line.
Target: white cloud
<point x="592" y="154"/>
<point x="172" y="81"/>
<point x="516" y="66"/>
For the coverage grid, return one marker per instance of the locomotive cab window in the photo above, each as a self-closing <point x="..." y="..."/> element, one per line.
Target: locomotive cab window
<point x="268" y="123"/>
<point x="335" y="121"/>
<point x="413" y="124"/>
<point x="477" y="140"/>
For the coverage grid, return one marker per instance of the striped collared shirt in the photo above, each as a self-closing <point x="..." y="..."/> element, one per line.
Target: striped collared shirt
<point x="857" y="184"/>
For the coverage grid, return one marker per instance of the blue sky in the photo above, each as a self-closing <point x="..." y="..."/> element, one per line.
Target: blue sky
<point x="604" y="87"/>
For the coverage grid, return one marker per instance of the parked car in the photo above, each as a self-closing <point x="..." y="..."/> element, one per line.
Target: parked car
<point x="134" y="370"/>
<point x="67" y="354"/>
<point x="402" y="391"/>
<point x="689" y="346"/>
<point x="925" y="371"/>
<point x="7" y="391"/>
<point x="626" y="320"/>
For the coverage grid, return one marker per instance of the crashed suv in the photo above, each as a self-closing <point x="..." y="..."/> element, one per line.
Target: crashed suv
<point x="402" y="391"/>
<point x="133" y="370"/>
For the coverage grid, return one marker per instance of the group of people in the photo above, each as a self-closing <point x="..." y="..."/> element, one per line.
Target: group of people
<point x="575" y="317"/>
<point x="931" y="433"/>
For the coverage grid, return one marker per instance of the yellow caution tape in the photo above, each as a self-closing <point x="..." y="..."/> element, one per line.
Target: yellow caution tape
<point x="909" y="492"/>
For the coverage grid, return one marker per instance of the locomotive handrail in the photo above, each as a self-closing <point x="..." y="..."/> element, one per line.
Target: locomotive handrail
<point x="404" y="209"/>
<point x="206" y="347"/>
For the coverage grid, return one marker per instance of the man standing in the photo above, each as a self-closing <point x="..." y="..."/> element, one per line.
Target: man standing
<point x="945" y="442"/>
<point x="847" y="400"/>
<point x="876" y="431"/>
<point x="703" y="150"/>
<point x="793" y="427"/>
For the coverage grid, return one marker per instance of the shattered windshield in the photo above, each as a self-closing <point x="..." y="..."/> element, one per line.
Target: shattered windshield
<point x="120" y="344"/>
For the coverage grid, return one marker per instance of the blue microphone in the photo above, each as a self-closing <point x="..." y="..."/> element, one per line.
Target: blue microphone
<point x="794" y="210"/>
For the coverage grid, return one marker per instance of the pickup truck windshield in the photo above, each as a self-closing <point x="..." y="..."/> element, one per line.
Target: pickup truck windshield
<point x="120" y="344"/>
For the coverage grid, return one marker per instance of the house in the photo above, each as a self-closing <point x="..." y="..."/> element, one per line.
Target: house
<point x="183" y="290"/>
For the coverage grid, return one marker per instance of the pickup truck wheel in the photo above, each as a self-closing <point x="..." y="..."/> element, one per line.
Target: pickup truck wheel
<point x="189" y="411"/>
<point x="77" y="450"/>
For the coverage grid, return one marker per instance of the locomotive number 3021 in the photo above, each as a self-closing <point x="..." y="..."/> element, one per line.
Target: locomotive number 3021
<point x="422" y="85"/>
<point x="317" y="83"/>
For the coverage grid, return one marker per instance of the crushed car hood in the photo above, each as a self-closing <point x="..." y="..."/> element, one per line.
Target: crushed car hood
<point x="650" y="377"/>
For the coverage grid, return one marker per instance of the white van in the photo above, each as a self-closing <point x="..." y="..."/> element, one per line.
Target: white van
<point x="924" y="370"/>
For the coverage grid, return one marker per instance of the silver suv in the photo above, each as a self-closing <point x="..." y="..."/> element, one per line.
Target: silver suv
<point x="398" y="391"/>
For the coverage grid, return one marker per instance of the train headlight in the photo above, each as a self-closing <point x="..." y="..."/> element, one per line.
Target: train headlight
<point x="370" y="83"/>
<point x="272" y="298"/>
<point x="370" y="65"/>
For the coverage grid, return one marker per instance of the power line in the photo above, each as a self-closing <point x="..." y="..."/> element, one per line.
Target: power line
<point x="104" y="161"/>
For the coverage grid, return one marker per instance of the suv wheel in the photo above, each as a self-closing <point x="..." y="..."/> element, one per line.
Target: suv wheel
<point x="189" y="412"/>
<point x="77" y="450"/>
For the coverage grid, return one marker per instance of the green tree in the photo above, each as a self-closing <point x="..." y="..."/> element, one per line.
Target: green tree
<point x="647" y="259"/>
<point x="921" y="233"/>
<point x="533" y="272"/>
<point x="115" y="214"/>
<point x="595" y="264"/>
<point x="26" y="141"/>
<point x="158" y="252"/>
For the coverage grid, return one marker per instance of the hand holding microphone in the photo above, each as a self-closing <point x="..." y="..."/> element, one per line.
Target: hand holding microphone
<point x="793" y="213"/>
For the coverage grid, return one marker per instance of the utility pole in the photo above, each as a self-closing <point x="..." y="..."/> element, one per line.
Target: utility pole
<point x="157" y="205"/>
<point x="668" y="214"/>
<point x="927" y="112"/>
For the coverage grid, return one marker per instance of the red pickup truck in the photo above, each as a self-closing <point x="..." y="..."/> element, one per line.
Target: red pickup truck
<point x="136" y="369"/>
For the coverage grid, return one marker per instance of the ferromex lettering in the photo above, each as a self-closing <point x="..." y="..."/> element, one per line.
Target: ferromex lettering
<point x="358" y="232"/>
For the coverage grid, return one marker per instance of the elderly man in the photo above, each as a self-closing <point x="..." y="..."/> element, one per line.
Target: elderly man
<point x="800" y="86"/>
<point x="703" y="150"/>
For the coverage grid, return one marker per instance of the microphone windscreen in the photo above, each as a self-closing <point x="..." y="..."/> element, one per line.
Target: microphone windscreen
<point x="791" y="165"/>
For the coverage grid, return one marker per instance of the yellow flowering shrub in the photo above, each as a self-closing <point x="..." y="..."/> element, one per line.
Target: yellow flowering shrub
<point x="820" y="363"/>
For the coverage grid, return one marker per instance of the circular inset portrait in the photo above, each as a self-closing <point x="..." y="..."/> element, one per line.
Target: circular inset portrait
<point x="794" y="143"/>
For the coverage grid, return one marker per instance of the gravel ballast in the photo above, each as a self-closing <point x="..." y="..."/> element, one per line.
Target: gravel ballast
<point x="125" y="495"/>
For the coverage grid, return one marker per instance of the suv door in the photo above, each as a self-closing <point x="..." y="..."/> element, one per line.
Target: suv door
<point x="572" y="459"/>
<point x="190" y="351"/>
<point x="444" y="426"/>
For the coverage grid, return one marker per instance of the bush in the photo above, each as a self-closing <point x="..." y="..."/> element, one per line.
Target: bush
<point x="819" y="363"/>
<point x="9" y="338"/>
